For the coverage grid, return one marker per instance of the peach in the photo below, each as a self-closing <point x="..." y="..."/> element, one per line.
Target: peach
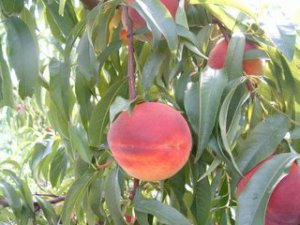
<point x="217" y="56"/>
<point x="139" y="22"/>
<point x="152" y="143"/>
<point x="284" y="204"/>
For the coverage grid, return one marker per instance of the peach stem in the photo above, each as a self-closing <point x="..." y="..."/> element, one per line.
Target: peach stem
<point x="136" y="184"/>
<point x="222" y="29"/>
<point x="131" y="78"/>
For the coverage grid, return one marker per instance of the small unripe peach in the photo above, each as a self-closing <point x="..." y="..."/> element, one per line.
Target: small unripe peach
<point x="152" y="143"/>
<point x="217" y="56"/>
<point x="284" y="204"/>
<point x="139" y="22"/>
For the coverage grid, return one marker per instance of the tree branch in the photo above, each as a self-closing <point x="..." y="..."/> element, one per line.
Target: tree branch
<point x="4" y="203"/>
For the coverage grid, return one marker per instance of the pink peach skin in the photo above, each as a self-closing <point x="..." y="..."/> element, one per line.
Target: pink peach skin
<point x="151" y="144"/>
<point x="284" y="204"/>
<point x="217" y="56"/>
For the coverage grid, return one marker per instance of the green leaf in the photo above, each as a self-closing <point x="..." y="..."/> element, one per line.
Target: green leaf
<point x="156" y="13"/>
<point x="60" y="87"/>
<point x="71" y="39"/>
<point x="83" y="94"/>
<point x="230" y="3"/>
<point x="58" y="167"/>
<point x="75" y="196"/>
<point x="86" y="60"/>
<point x="142" y="218"/>
<point x="113" y="197"/>
<point x="164" y="213"/>
<point x="152" y="67"/>
<point x="100" y="115"/>
<point x="12" y="197"/>
<point x="234" y="56"/>
<point x="253" y="200"/>
<point x="48" y="211"/>
<point x="79" y="142"/>
<point x="201" y="205"/>
<point x="60" y="26"/>
<point x="6" y="88"/>
<point x="23" y="55"/>
<point x="119" y="105"/>
<point x="11" y="7"/>
<point x="202" y="104"/>
<point x="23" y="187"/>
<point x="98" y="25"/>
<point x="262" y="141"/>
<point x="224" y="111"/>
<point x="95" y="197"/>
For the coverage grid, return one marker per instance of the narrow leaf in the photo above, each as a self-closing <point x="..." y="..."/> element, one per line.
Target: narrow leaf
<point x="100" y="115"/>
<point x="113" y="197"/>
<point x="262" y="141"/>
<point x="164" y="213"/>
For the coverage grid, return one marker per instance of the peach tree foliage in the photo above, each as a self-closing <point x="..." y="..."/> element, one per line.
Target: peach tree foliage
<point x="63" y="81"/>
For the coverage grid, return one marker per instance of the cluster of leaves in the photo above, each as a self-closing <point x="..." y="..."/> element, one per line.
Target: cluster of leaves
<point x="71" y="68"/>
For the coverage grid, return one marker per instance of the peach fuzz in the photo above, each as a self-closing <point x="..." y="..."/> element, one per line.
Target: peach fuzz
<point x="139" y="22"/>
<point x="217" y="56"/>
<point x="152" y="143"/>
<point x="283" y="207"/>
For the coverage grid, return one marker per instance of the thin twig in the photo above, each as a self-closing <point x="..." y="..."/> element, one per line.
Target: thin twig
<point x="104" y="165"/>
<point x="131" y="78"/>
<point x="136" y="184"/>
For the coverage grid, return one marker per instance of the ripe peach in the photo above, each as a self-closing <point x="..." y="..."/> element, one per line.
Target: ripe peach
<point x="217" y="56"/>
<point x="139" y="22"/>
<point x="151" y="144"/>
<point x="284" y="204"/>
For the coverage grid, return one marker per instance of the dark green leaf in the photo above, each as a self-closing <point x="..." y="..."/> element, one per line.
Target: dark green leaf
<point x="201" y="194"/>
<point x="79" y="142"/>
<point x="262" y="141"/>
<point x="234" y="56"/>
<point x="75" y="196"/>
<point x="100" y="115"/>
<point x="11" y="196"/>
<point x="98" y="24"/>
<point x="152" y="67"/>
<point x="58" y="167"/>
<point x="48" y="211"/>
<point x="164" y="213"/>
<point x="202" y="104"/>
<point x="86" y="61"/>
<point x="23" y="55"/>
<point x="60" y="88"/>
<point x="113" y="197"/>
<point x="6" y="88"/>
